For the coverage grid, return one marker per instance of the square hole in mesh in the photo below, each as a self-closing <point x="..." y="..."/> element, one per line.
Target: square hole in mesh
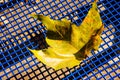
<point x="18" y="31"/>
<point x="108" y="32"/>
<point x="112" y="74"/>
<point x="13" y="78"/>
<point x="45" y="73"/>
<point x="43" y="9"/>
<point x="21" y="14"/>
<point x="47" y="6"/>
<point x="19" y="41"/>
<point x="62" y="9"/>
<point x="61" y="76"/>
<point x="105" y="46"/>
<point x="16" y="17"/>
<point x="40" y="76"/>
<point x="116" y="59"/>
<point x="29" y="59"/>
<point x="102" y="8"/>
<point x="29" y="70"/>
<point x="48" y="78"/>
<point x="102" y="78"/>
<point x="85" y="77"/>
<point x="7" y="70"/>
<point x="33" y="34"/>
<point x="92" y="77"/>
<point x="5" y="65"/>
<point x="24" y="39"/>
<point x="27" y="77"/>
<point x="111" y="62"/>
<point x="63" y="2"/>
<point x="45" y="2"/>
<point x="26" y="23"/>
<point x="117" y="78"/>
<point x="31" y="9"/>
<point x="13" y="67"/>
<point x="34" y="67"/>
<point x="34" y="78"/>
<point x="10" y="74"/>
<point x="51" y="71"/>
<point x="53" y="14"/>
<point x="66" y="73"/>
<point x="71" y="78"/>
<point x="26" y="11"/>
<point x="37" y="72"/>
<point x="38" y="11"/>
<point x="50" y="10"/>
<point x="18" y="64"/>
<point x="21" y="69"/>
<point x="107" y="77"/>
<point x="57" y="78"/>
<point x="32" y="63"/>
<point x="17" y="21"/>
<point x="103" y="72"/>
<point x="26" y="66"/>
<point x="76" y="17"/>
<point x="76" y="74"/>
<point x="53" y="75"/>
<point x="24" y="18"/>
<point x="16" y="71"/>
<point x="67" y="7"/>
<point x="71" y="4"/>
<point x="59" y="72"/>
<point x="34" y="24"/>
<point x="28" y="37"/>
<point x="108" y="70"/>
<point x="31" y="75"/>
<point x="43" y="68"/>
<point x="35" y="8"/>
<point x="18" y="76"/>
<point x="98" y="75"/>
<point x="91" y="74"/>
<point x="58" y="11"/>
<point x="26" y="33"/>
<point x="4" y="78"/>
<point x="18" y="10"/>
<point x="59" y="5"/>
<point x="8" y="58"/>
<point x="2" y="73"/>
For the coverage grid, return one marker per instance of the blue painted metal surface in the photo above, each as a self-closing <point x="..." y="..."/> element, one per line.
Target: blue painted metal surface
<point x="18" y="31"/>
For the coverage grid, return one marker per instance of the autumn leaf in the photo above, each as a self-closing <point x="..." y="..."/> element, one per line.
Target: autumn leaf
<point x="68" y="43"/>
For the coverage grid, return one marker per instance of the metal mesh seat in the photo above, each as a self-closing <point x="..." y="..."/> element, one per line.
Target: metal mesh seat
<point x="18" y="30"/>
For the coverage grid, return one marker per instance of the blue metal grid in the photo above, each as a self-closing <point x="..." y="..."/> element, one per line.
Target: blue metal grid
<point x="19" y="31"/>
